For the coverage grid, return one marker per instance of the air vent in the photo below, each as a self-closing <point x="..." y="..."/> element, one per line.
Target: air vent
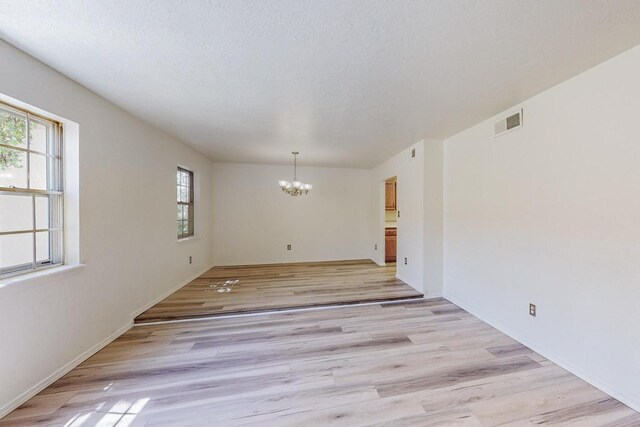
<point x="509" y="123"/>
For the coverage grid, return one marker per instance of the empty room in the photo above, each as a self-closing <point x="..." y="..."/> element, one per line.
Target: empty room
<point x="319" y="212"/>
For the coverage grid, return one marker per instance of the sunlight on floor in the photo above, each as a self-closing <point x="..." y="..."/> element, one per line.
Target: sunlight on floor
<point x="223" y="287"/>
<point x="121" y="414"/>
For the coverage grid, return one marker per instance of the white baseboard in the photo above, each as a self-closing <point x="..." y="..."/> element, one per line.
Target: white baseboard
<point x="5" y="410"/>
<point x="147" y="306"/>
<point x="597" y="383"/>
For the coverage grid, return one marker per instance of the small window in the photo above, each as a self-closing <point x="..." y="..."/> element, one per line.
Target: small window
<point x="185" y="203"/>
<point x="31" y="196"/>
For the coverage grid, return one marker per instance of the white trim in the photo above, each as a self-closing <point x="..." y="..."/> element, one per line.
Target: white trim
<point x="303" y="261"/>
<point x="281" y="311"/>
<point x="147" y="306"/>
<point x="8" y="408"/>
<point x="187" y="168"/>
<point x="597" y="383"/>
<point x="193" y="238"/>
<point x="45" y="273"/>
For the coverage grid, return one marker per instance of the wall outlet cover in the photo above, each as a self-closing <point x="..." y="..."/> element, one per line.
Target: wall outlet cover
<point x="532" y="310"/>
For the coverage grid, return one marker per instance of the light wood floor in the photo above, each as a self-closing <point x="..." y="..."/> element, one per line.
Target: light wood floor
<point x="426" y="363"/>
<point x="281" y="286"/>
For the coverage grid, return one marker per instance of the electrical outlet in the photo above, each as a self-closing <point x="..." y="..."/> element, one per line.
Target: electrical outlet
<point x="375" y="246"/>
<point x="413" y="153"/>
<point x="398" y="214"/>
<point x="532" y="310"/>
<point x="288" y="247"/>
<point x="405" y="260"/>
<point x="190" y="260"/>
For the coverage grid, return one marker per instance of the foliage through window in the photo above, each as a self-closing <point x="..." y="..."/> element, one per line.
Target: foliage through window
<point x="31" y="196"/>
<point x="185" y="203"/>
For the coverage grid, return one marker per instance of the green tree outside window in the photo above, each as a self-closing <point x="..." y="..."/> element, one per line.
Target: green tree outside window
<point x="12" y="132"/>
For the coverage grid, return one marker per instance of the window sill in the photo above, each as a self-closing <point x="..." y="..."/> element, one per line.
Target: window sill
<point x="188" y="239"/>
<point x="63" y="270"/>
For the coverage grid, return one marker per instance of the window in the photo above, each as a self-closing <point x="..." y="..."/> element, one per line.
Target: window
<point x="185" y="203"/>
<point x="31" y="197"/>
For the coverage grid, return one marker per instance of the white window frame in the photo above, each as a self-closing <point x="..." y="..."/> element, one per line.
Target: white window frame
<point x="54" y="193"/>
<point x="191" y="203"/>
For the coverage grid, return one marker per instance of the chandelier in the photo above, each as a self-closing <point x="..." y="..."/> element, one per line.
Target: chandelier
<point x="295" y="188"/>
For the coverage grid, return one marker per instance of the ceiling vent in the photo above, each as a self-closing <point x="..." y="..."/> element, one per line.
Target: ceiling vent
<point x="511" y="122"/>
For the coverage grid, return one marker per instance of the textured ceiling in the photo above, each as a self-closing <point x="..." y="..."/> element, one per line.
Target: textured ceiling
<point x="345" y="82"/>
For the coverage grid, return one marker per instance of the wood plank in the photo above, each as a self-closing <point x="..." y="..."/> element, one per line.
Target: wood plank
<point x="256" y="288"/>
<point x="557" y="403"/>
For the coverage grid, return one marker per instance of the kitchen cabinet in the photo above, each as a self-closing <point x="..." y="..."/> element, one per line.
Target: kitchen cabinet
<point x="390" y="240"/>
<point x="390" y="196"/>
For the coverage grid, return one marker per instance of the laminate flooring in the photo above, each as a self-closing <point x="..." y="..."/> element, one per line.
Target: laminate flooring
<point x="254" y="288"/>
<point x="424" y="363"/>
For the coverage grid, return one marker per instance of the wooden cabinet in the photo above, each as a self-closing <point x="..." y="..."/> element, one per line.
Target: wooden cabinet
<point x="390" y="196"/>
<point x="390" y="240"/>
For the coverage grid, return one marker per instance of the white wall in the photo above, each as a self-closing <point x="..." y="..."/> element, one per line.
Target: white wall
<point x="433" y="217"/>
<point x="254" y="220"/>
<point x="550" y="214"/>
<point x="410" y="197"/>
<point x="127" y="206"/>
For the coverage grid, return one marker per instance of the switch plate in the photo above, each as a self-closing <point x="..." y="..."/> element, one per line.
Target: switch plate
<point x="532" y="310"/>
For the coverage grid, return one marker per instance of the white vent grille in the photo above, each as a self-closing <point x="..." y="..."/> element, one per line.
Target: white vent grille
<point x="511" y="122"/>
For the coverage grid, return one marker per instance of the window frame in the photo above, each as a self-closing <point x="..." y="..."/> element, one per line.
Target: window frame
<point x="190" y="204"/>
<point x="54" y="193"/>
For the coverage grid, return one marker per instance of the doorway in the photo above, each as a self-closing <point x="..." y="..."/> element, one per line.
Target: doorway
<point x="390" y="221"/>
